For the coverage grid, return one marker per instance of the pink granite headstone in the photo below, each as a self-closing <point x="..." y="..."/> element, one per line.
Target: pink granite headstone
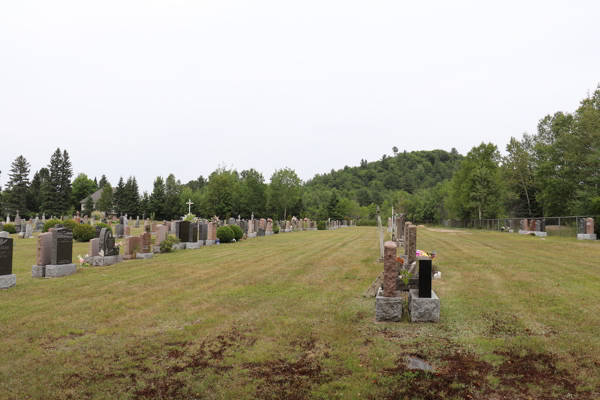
<point x="161" y="234"/>
<point x="94" y="247"/>
<point x="44" y="249"/>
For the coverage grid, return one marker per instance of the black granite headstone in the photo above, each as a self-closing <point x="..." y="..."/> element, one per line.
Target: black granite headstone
<point x="107" y="243"/>
<point x="184" y="231"/>
<point x="62" y="246"/>
<point x="193" y="232"/>
<point x="203" y="230"/>
<point x="424" y="277"/>
<point x="261" y="232"/>
<point x="6" y="256"/>
<point x="98" y="230"/>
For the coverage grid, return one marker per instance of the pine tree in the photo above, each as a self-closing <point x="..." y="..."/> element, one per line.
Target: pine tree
<point x="172" y="191"/>
<point x="66" y="172"/>
<point x="105" y="202"/>
<point x="103" y="182"/>
<point x="157" y="199"/>
<point x="96" y="183"/>
<point x="119" y="197"/>
<point x="133" y="196"/>
<point x="144" y="204"/>
<point x="17" y="186"/>
<point x="51" y="187"/>
<point x="34" y="194"/>
<point x="88" y="206"/>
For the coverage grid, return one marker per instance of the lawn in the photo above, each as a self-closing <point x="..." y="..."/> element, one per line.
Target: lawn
<point x="283" y="317"/>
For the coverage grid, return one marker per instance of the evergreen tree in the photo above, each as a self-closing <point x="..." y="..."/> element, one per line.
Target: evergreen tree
<point x="119" y="197"/>
<point x="96" y="183"/>
<point x="134" y="197"/>
<point x="333" y="207"/>
<point x="17" y="186"/>
<point x="66" y="172"/>
<point x="144" y="205"/>
<point x="88" y="206"/>
<point x="172" y="191"/>
<point x="157" y="199"/>
<point x="51" y="187"/>
<point x="105" y="202"/>
<point x="34" y="194"/>
<point x="103" y="182"/>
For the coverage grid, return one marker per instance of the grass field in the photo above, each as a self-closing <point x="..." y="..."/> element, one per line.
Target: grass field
<point x="283" y="317"/>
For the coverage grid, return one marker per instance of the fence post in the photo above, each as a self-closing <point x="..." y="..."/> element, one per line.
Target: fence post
<point x="559" y="232"/>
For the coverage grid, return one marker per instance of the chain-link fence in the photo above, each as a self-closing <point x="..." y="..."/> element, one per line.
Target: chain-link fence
<point x="553" y="226"/>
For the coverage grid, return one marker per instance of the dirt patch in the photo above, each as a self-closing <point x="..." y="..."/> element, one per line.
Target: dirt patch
<point x="519" y="375"/>
<point x="157" y="373"/>
<point x="449" y="231"/>
<point x="292" y="379"/>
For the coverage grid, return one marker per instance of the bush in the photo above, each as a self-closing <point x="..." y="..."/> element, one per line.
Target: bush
<point x="276" y="229"/>
<point x="97" y="215"/>
<point x="225" y="234"/>
<point x="69" y="224"/>
<point x="84" y="233"/>
<point x="10" y="228"/>
<point x="50" y="224"/>
<point x="237" y="232"/>
<point x="166" y="246"/>
<point x="103" y="225"/>
<point x="321" y="225"/>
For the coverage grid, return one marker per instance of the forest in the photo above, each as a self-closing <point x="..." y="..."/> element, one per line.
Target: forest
<point x="552" y="172"/>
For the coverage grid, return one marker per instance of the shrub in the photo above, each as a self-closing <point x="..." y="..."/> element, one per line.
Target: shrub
<point x="237" y="232"/>
<point x="97" y="215"/>
<point x="166" y="246"/>
<point x="69" y="224"/>
<point x="225" y="234"/>
<point x="321" y="225"/>
<point x="189" y="217"/>
<point x="276" y="229"/>
<point x="84" y="233"/>
<point x="50" y="224"/>
<point x="368" y="222"/>
<point x="10" y="228"/>
<point x="103" y="225"/>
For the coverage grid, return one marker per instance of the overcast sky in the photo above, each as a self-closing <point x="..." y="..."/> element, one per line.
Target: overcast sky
<point x="148" y="88"/>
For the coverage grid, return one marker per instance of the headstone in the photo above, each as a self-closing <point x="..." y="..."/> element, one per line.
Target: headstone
<point x="107" y="242"/>
<point x="161" y="234"/>
<point x="261" y="232"/>
<point x="212" y="231"/>
<point x="590" y="226"/>
<point x="29" y="231"/>
<point x="231" y="221"/>
<point x="153" y="226"/>
<point x="94" y="247"/>
<point x="77" y="218"/>
<point x="424" y="277"/>
<point x="98" y="230"/>
<point x="411" y="246"/>
<point x="193" y="232"/>
<point x="184" y="231"/>
<point x="44" y="249"/>
<point x="582" y="226"/>
<point x="39" y="226"/>
<point x="17" y="219"/>
<point x="390" y="272"/>
<point x="146" y="242"/>
<point x="120" y="230"/>
<point x="127" y="230"/>
<point x="130" y="244"/>
<point x="203" y="231"/>
<point x="7" y="278"/>
<point x="400" y="227"/>
<point x="62" y="246"/>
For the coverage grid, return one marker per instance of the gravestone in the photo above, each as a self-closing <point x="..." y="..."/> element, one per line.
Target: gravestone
<point x="231" y="221"/>
<point x="184" y="231"/>
<point x="193" y="235"/>
<point x="582" y="226"/>
<point x="127" y="230"/>
<point x="410" y="246"/>
<point x="423" y="303"/>
<point x="98" y="230"/>
<point x="400" y="228"/>
<point x="389" y="301"/>
<point x="261" y="232"/>
<point x="161" y="234"/>
<point x="39" y="226"/>
<point x="153" y="226"/>
<point x="94" y="248"/>
<point x="62" y="246"/>
<point x="131" y="244"/>
<point x="146" y="243"/>
<point x="7" y="278"/>
<point x="203" y="232"/>
<point x="121" y="219"/>
<point x="43" y="255"/>
<point x="120" y="230"/>
<point x="212" y="233"/>
<point x="107" y="243"/>
<point x="175" y="225"/>
<point x="29" y="231"/>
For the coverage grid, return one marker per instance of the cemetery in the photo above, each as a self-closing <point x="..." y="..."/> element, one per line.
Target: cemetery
<point x="406" y="302"/>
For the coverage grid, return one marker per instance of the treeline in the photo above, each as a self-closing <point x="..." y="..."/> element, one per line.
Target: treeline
<point x="554" y="172"/>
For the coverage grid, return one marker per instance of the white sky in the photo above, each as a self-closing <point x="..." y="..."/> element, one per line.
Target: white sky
<point x="149" y="88"/>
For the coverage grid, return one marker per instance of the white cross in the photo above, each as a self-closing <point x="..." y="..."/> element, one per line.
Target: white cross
<point x="189" y="203"/>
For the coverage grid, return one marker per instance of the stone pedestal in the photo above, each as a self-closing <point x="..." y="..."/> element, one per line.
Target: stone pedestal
<point x="250" y="235"/>
<point x="38" y="271"/>
<point x="143" y="256"/>
<point x="179" y="246"/>
<point x="388" y="308"/>
<point x="423" y="309"/>
<point x="99" y="261"/>
<point x="192" y="245"/>
<point x="57" y="271"/>
<point x="586" y="236"/>
<point x="267" y="233"/>
<point x="541" y="234"/>
<point x="8" y="281"/>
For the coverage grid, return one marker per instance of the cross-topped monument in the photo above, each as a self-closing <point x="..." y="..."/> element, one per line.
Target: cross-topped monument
<point x="189" y="203"/>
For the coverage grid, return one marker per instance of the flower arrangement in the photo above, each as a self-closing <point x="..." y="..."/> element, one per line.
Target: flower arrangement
<point x="82" y="262"/>
<point x="421" y="253"/>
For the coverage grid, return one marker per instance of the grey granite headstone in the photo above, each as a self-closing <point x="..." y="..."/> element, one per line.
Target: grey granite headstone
<point x="120" y="230"/>
<point x="203" y="231"/>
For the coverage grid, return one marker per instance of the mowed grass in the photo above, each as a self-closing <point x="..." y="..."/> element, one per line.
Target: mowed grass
<point x="283" y="317"/>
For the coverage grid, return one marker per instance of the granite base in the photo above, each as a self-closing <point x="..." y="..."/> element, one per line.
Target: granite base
<point x="143" y="256"/>
<point x="586" y="236"/>
<point x="57" y="271"/>
<point x="210" y="242"/>
<point x="250" y="236"/>
<point x="388" y="308"/>
<point x="38" y="271"/>
<point x="8" y="281"/>
<point x="268" y="233"/>
<point x="193" y="246"/>
<point x="423" y="309"/>
<point x="179" y="246"/>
